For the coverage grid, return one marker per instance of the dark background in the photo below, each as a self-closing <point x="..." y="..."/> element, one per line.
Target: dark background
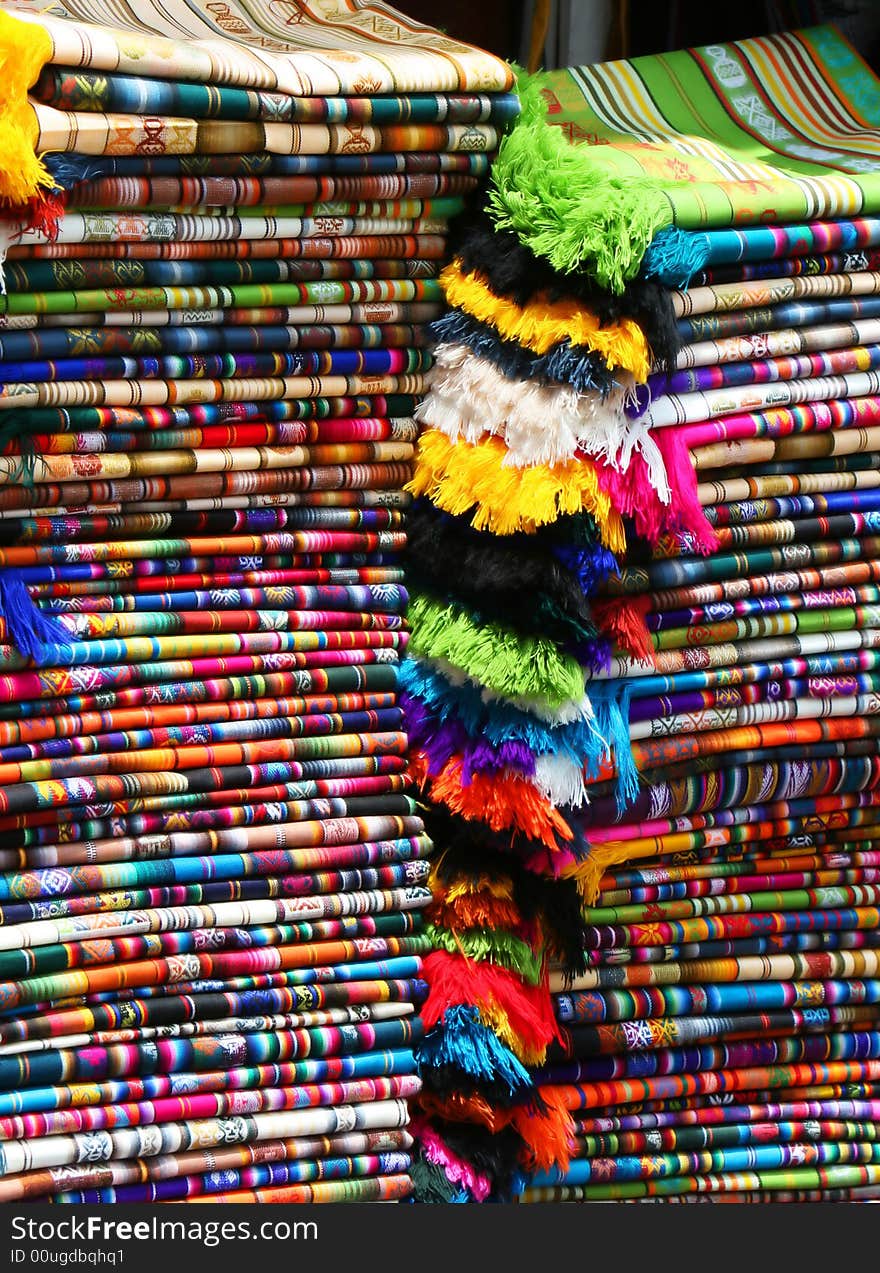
<point x="646" y="26"/>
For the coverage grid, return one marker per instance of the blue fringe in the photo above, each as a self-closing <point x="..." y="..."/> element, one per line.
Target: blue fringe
<point x="567" y="364"/>
<point x="27" y="628"/>
<point x="674" y="256"/>
<point x="592" y="566"/>
<point x="68" y="169"/>
<point x="463" y="1041"/>
<point x="581" y="741"/>
<point x="610" y="701"/>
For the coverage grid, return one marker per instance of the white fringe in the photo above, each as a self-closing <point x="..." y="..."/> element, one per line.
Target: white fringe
<point x="540" y="423"/>
<point x="560" y="780"/>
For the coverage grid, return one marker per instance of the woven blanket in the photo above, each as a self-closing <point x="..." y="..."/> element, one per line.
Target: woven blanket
<point x="774" y="129"/>
<point x="320" y="51"/>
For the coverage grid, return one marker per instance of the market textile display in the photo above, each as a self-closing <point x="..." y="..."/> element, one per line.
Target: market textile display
<point x="222" y="227"/>
<point x="642" y="682"/>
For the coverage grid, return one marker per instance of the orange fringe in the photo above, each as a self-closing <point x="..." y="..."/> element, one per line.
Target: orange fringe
<point x="501" y="801"/>
<point x="548" y="1134"/>
<point x="475" y="911"/>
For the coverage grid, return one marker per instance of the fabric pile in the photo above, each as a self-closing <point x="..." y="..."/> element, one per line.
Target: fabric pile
<point x="222" y="228"/>
<point x="643" y="676"/>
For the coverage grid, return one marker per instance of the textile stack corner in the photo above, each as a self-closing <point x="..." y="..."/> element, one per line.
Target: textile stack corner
<point x="642" y="682"/>
<point x="222" y="228"/>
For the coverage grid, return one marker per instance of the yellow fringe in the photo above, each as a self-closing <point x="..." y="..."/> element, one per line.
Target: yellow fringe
<point x="460" y="476"/>
<point x="473" y="903"/>
<point x="603" y="857"/>
<point x="497" y="1021"/>
<point x="543" y="323"/>
<point x="25" y="48"/>
<point x="478" y="884"/>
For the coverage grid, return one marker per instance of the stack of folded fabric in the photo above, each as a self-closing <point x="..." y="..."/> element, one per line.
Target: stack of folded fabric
<point x="222" y="229"/>
<point x="703" y="919"/>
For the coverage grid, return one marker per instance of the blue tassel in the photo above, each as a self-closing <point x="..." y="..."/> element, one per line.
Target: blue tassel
<point x="571" y="365"/>
<point x="592" y="566"/>
<point x="27" y="628"/>
<point x="610" y="701"/>
<point x="674" y="256"/>
<point x="463" y="1041"/>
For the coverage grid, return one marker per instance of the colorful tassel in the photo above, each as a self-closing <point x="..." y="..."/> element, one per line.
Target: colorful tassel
<point x="542" y="323"/>
<point x="502" y="803"/>
<point x="492" y="655"/>
<point x="623" y="619"/>
<point x="25" y="48"/>
<point x="495" y="945"/>
<point x="454" y="979"/>
<point x="559" y="202"/>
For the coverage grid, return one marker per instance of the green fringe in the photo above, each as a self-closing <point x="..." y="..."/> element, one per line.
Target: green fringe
<point x="491" y="945"/>
<point x="495" y="657"/>
<point x="430" y="1182"/>
<point x="577" y="217"/>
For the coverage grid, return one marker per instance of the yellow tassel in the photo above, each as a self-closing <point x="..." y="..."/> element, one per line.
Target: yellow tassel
<point x="459" y="477"/>
<point x="543" y="323"/>
<point x="603" y="857"/>
<point x="25" y="48"/>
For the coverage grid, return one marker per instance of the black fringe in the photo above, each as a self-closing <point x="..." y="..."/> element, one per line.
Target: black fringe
<point x="575" y="365"/>
<point x="555" y="903"/>
<point x="448" y="829"/>
<point x="512" y="269"/>
<point x="528" y="589"/>
<point x="493" y="1154"/>
<point x="446" y="1080"/>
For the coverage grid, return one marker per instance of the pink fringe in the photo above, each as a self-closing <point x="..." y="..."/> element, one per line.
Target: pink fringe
<point x="455" y="1168"/>
<point x="633" y="495"/>
<point x="682" y="476"/>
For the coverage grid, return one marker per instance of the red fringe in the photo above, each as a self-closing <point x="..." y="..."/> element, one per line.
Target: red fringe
<point x="44" y="212"/>
<point x="454" y="979"/>
<point x="623" y="620"/>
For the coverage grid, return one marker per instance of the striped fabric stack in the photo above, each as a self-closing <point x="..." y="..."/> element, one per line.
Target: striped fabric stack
<point x="223" y="226"/>
<point x="709" y="1027"/>
<point x="725" y="1041"/>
